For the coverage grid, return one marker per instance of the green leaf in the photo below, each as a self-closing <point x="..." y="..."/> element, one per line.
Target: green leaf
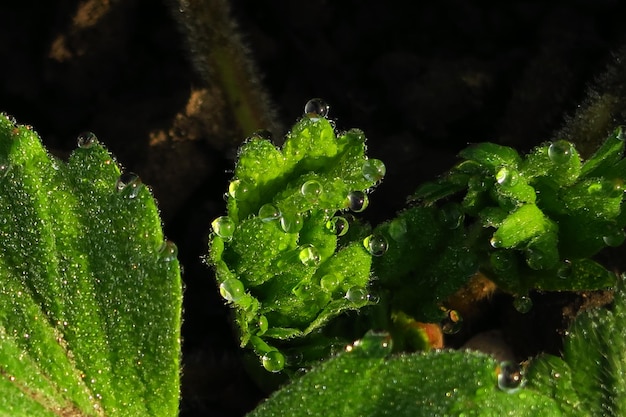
<point x="364" y="382"/>
<point x="286" y="256"/>
<point x="90" y="293"/>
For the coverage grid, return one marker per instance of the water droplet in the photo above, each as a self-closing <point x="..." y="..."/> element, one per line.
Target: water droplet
<point x="330" y="282"/>
<point x="507" y="177"/>
<point x="168" y="251"/>
<point x="269" y="212"/>
<point x="614" y="238"/>
<point x="522" y="303"/>
<point x="357" y="201"/>
<point x="510" y="377"/>
<point x="453" y="322"/>
<point x="357" y="295"/>
<point x="374" y="344"/>
<point x="309" y="255"/>
<point x="451" y="215"/>
<point x="536" y="259"/>
<point x="398" y="230"/>
<point x="239" y="189"/>
<point x="376" y="244"/>
<point x="565" y="270"/>
<point x="316" y="108"/>
<point x="232" y="290"/>
<point x="560" y="151"/>
<point x="373" y="170"/>
<point x="128" y="184"/>
<point x="5" y="167"/>
<point x="338" y="225"/>
<point x="495" y="242"/>
<point x="311" y="190"/>
<point x="224" y="227"/>
<point x="262" y="134"/>
<point x="273" y="361"/>
<point x="291" y="223"/>
<point x="262" y="325"/>
<point x="86" y="140"/>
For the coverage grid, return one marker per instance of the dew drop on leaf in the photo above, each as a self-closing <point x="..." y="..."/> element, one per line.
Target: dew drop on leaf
<point x="398" y="230"/>
<point x="239" y="189"/>
<point x="232" y="289"/>
<point x="374" y="344"/>
<point x="86" y="140"/>
<point x="262" y="325"/>
<point x="495" y="242"/>
<point x="522" y="303"/>
<point x="560" y="151"/>
<point x="273" y="361"/>
<point x="224" y="227"/>
<point x="507" y="177"/>
<point x="373" y="170"/>
<point x="510" y="377"/>
<point x="357" y="201"/>
<point x="128" y="185"/>
<point x="565" y="270"/>
<point x="269" y="212"/>
<point x="376" y="244"/>
<point x="453" y="322"/>
<point x="309" y="255"/>
<point x="614" y="238"/>
<point x="357" y="295"/>
<point x="330" y="282"/>
<point x="451" y="215"/>
<point x="315" y="108"/>
<point x="291" y="223"/>
<point x="311" y="190"/>
<point x="338" y="225"/>
<point x="168" y="251"/>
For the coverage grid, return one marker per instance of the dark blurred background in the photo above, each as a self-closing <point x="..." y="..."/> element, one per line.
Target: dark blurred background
<point x="421" y="79"/>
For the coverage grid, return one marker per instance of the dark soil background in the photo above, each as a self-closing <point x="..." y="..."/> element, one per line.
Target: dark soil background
<point x="422" y="79"/>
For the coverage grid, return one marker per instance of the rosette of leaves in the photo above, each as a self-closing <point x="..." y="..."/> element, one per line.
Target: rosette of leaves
<point x="286" y="256"/>
<point x="526" y="222"/>
<point x="90" y="293"/>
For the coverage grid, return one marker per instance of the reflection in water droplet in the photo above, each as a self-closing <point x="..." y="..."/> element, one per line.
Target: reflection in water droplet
<point x="614" y="238"/>
<point x="495" y="242"/>
<point x="309" y="255"/>
<point x="128" y="185"/>
<point x="374" y="344"/>
<point x="168" y="251"/>
<point x="291" y="223"/>
<point x="507" y="177"/>
<point x="273" y="361"/>
<point x="398" y="230"/>
<point x="86" y="140"/>
<point x="510" y="377"/>
<point x="338" y="225"/>
<point x="522" y="303"/>
<point x="375" y="244"/>
<point x="357" y="201"/>
<point x="269" y="212"/>
<point x="373" y="170"/>
<point x="262" y="325"/>
<point x="239" y="189"/>
<point x="232" y="289"/>
<point x="451" y="215"/>
<point x="560" y="151"/>
<point x="224" y="227"/>
<point x="357" y="295"/>
<point x="330" y="282"/>
<point x="315" y="108"/>
<point x="565" y="270"/>
<point x="311" y="190"/>
<point x="453" y="322"/>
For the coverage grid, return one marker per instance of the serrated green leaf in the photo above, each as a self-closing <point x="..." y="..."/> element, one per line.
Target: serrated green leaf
<point x="90" y="295"/>
<point x="438" y="383"/>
